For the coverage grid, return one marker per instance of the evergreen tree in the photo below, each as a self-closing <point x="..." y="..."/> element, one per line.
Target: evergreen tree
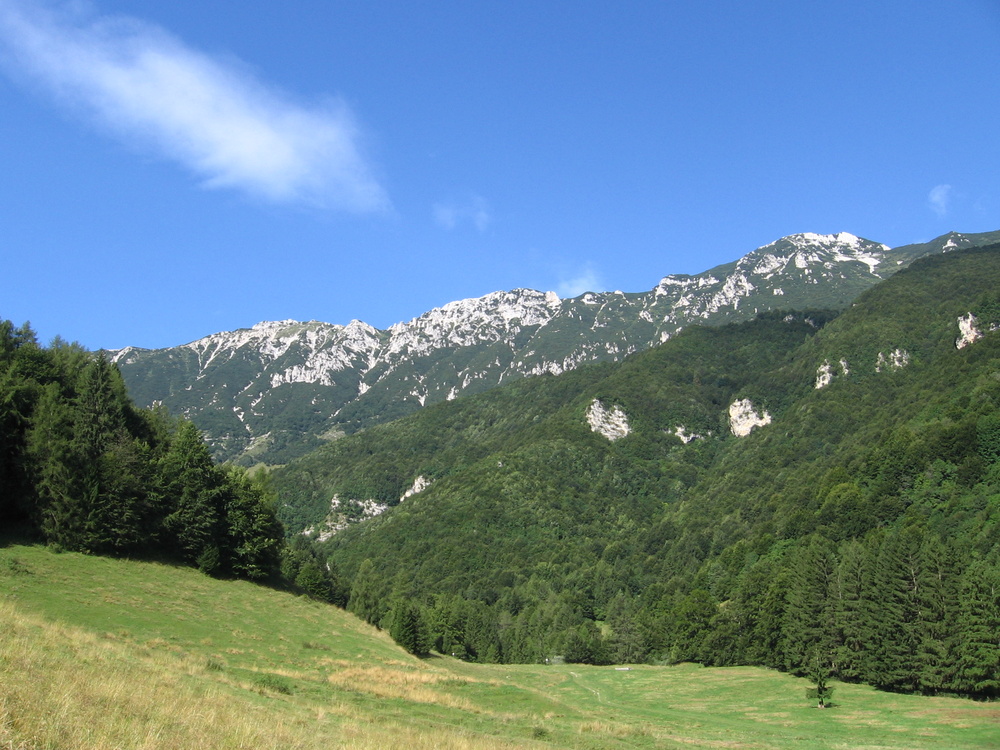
<point x="24" y="368"/>
<point x="407" y="628"/>
<point x="938" y="596"/>
<point x="692" y="619"/>
<point x="979" y="631"/>
<point x="892" y="613"/>
<point x="818" y="670"/>
<point x="583" y="645"/>
<point x="253" y="536"/>
<point x="311" y="579"/>
<point x="193" y="494"/>
<point x="627" y="644"/>
<point x="764" y="644"/>
<point x="54" y="464"/>
<point x="852" y="587"/>
<point x="809" y="632"/>
<point x="368" y="596"/>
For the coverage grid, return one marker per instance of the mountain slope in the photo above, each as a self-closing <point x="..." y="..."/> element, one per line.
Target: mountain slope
<point x="665" y="507"/>
<point x="279" y="389"/>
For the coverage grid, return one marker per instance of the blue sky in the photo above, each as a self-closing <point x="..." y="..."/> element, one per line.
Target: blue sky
<point x="174" y="169"/>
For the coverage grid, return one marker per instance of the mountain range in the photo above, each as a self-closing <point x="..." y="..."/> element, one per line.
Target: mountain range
<point x="270" y="393"/>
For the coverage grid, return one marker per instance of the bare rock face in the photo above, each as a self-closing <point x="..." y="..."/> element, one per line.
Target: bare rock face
<point x="612" y="424"/>
<point x="420" y="484"/>
<point x="897" y="359"/>
<point x="686" y="437"/>
<point x="826" y="372"/>
<point x="968" y="331"/>
<point x="744" y="419"/>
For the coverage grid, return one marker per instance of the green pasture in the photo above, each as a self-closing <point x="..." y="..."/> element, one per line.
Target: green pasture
<point x="310" y="675"/>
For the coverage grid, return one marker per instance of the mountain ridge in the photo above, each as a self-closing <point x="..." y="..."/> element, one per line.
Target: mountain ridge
<point x="280" y="388"/>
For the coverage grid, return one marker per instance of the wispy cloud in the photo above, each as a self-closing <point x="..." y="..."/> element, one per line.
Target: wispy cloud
<point x="211" y="116"/>
<point x="939" y="199"/>
<point x="473" y="210"/>
<point x="585" y="281"/>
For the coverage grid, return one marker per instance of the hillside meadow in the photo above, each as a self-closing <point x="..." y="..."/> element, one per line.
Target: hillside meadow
<point x="103" y="653"/>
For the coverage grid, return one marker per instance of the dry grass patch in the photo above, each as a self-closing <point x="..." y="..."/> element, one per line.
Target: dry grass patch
<point x="408" y="685"/>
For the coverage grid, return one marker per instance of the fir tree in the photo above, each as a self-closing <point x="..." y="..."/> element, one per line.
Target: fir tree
<point x="253" y="536"/>
<point x="853" y="580"/>
<point x="368" y="597"/>
<point x="54" y="465"/>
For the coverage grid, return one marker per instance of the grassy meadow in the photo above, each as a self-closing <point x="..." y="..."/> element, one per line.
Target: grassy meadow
<point x="102" y="653"/>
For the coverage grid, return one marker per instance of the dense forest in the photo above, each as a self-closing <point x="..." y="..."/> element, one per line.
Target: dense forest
<point x="857" y="536"/>
<point x="83" y="469"/>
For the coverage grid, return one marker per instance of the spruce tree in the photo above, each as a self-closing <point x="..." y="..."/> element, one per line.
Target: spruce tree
<point x="938" y="597"/>
<point x="368" y="595"/>
<point x="407" y="628"/>
<point x="54" y="466"/>
<point x="852" y="586"/>
<point x="979" y="631"/>
<point x="253" y="535"/>
<point x="108" y="465"/>
<point x="809" y="632"/>
<point x="892" y="613"/>
<point x="193" y="492"/>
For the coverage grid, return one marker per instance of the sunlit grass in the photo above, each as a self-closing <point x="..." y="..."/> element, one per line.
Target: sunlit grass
<point x="98" y="653"/>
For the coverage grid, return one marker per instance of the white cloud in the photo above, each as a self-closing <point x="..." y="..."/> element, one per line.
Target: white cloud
<point x="211" y="116"/>
<point x="474" y="210"/>
<point x="586" y="281"/>
<point x="939" y="199"/>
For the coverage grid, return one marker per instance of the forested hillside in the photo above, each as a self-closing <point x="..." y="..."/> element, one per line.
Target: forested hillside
<point x="83" y="469"/>
<point x="816" y="495"/>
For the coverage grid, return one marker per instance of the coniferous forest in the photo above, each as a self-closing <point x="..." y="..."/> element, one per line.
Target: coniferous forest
<point x="83" y="469"/>
<point x="853" y="535"/>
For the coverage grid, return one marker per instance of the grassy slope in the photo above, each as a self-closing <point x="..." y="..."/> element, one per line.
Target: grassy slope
<point x="98" y="653"/>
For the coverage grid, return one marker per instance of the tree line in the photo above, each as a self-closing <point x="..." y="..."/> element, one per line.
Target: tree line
<point x="83" y="469"/>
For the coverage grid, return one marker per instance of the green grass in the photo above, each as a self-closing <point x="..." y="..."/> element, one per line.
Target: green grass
<point x="101" y="653"/>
